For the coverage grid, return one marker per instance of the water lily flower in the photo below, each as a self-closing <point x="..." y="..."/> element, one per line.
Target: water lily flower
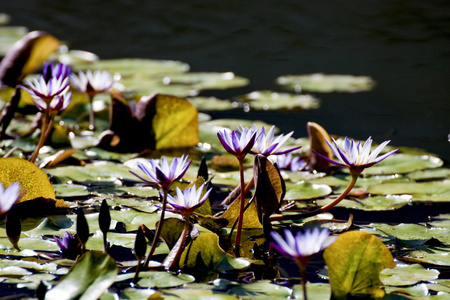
<point x="163" y="173"/>
<point x="303" y="246"/>
<point x="92" y="83"/>
<point x="286" y="162"/>
<point x="268" y="144"/>
<point x="8" y="196"/>
<point x="46" y="88"/>
<point x="56" y="105"/>
<point x="356" y="156"/>
<point x="185" y="202"/>
<point x="55" y="71"/>
<point x="64" y="242"/>
<point x="239" y="143"/>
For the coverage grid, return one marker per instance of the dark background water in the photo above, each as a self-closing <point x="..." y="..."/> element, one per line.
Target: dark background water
<point x="403" y="45"/>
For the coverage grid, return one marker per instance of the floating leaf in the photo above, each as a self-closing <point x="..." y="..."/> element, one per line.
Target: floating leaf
<point x="424" y="191"/>
<point x="10" y="35"/>
<point x="376" y="203"/>
<point x="407" y="275"/>
<point x="354" y="263"/>
<point x="206" y="246"/>
<point x="440" y="173"/>
<point x="211" y="103"/>
<point x="324" y="83"/>
<point x="93" y="273"/>
<point x="261" y="289"/>
<point x="404" y="163"/>
<point x="206" y="80"/>
<point x="270" y="100"/>
<point x="304" y="191"/>
<point x="163" y="279"/>
<point x="33" y="181"/>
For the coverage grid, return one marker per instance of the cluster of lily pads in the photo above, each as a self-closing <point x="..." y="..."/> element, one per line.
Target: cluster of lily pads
<point x="82" y="198"/>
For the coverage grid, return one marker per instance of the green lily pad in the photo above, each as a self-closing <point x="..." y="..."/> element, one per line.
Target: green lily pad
<point x="138" y="294"/>
<point x="206" y="80"/>
<point x="430" y="256"/>
<point x="324" y="83"/>
<point x="196" y="294"/>
<point x="270" y="100"/>
<point x="136" y="67"/>
<point x="88" y="278"/>
<point x="376" y="203"/>
<point x="433" y="174"/>
<point x="70" y="190"/>
<point x="404" y="163"/>
<point x="211" y="104"/>
<point x="425" y="191"/>
<point x="305" y="191"/>
<point x="261" y="289"/>
<point x="407" y="275"/>
<point x="163" y="279"/>
<point x="414" y="234"/>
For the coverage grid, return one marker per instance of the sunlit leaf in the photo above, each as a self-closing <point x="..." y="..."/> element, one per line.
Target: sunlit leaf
<point x="354" y="263"/>
<point x="375" y="203"/>
<point x="270" y="100"/>
<point x="325" y="83"/>
<point x="421" y="191"/>
<point x="175" y="123"/>
<point x="404" y="163"/>
<point x="211" y="104"/>
<point x="26" y="55"/>
<point x="304" y="190"/>
<point x="261" y="289"/>
<point x="163" y="279"/>
<point x="10" y="35"/>
<point x="33" y="181"/>
<point x="317" y="142"/>
<point x="407" y="275"/>
<point x="206" y="245"/>
<point x="88" y="278"/>
<point x="206" y="80"/>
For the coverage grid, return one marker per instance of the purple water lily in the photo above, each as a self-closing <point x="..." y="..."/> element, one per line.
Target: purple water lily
<point x="238" y="142"/>
<point x="53" y="83"/>
<point x="303" y="246"/>
<point x="64" y="242"/>
<point x="357" y="156"/>
<point x="163" y="173"/>
<point x="56" y="105"/>
<point x="268" y="144"/>
<point x="8" y="196"/>
<point x="286" y="162"/>
<point x="186" y="201"/>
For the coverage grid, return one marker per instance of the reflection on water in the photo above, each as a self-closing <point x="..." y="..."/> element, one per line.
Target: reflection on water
<point x="403" y="45"/>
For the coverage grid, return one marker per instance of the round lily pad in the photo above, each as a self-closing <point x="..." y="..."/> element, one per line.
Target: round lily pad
<point x="404" y="163"/>
<point x="324" y="83"/>
<point x="421" y="191"/>
<point x="304" y="190"/>
<point x="407" y="275"/>
<point x="270" y="100"/>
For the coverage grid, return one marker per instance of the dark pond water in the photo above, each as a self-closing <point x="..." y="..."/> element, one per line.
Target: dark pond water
<point x="403" y="45"/>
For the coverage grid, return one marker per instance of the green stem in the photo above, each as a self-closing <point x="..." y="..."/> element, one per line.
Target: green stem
<point x="138" y="269"/>
<point x="323" y="208"/>
<point x="237" y="243"/>
<point x="158" y="229"/>
<point x="183" y="240"/>
<point x="304" y="280"/>
<point x="91" y="113"/>
<point x="47" y="126"/>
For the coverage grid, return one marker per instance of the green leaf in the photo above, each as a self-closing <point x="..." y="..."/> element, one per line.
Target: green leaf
<point x="163" y="279"/>
<point x="354" y="263"/>
<point x="324" y="83"/>
<point x="423" y="191"/>
<point x="376" y="203"/>
<point x="404" y="163"/>
<point x="270" y="100"/>
<point x="206" y="245"/>
<point x="407" y="275"/>
<point x="88" y="278"/>
<point x="305" y="190"/>
<point x="261" y="289"/>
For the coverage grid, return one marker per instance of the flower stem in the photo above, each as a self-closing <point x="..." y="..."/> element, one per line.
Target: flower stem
<point x="237" y="242"/>
<point x="47" y="126"/>
<point x="183" y="240"/>
<point x="91" y="113"/>
<point x="158" y="229"/>
<point x="304" y="280"/>
<point x="321" y="209"/>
